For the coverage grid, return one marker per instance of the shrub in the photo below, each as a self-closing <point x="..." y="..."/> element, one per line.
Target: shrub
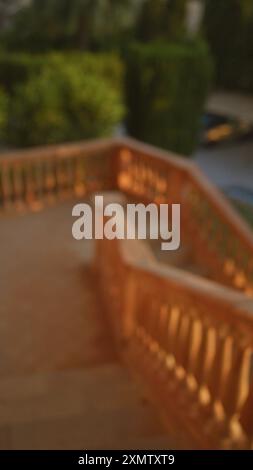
<point x="3" y="113"/>
<point x="107" y="66"/>
<point x="18" y="68"/>
<point x="166" y="87"/>
<point x="63" y="104"/>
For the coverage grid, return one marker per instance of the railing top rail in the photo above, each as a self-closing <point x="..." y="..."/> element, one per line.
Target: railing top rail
<point x="68" y="150"/>
<point x="215" y="196"/>
<point x="141" y="258"/>
<point x="175" y="160"/>
<point x="64" y="150"/>
<point x="223" y="207"/>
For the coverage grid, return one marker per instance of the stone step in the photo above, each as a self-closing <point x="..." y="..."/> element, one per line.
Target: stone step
<point x="92" y="408"/>
<point x="65" y="393"/>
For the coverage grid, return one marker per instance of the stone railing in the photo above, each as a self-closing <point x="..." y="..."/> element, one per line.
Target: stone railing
<point x="220" y="239"/>
<point x="190" y="339"/>
<point x="32" y="179"/>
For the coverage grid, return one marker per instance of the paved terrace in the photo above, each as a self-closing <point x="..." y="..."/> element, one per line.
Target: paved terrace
<point x="61" y="382"/>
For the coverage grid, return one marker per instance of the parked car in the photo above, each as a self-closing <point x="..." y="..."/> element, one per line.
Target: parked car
<point x="217" y="128"/>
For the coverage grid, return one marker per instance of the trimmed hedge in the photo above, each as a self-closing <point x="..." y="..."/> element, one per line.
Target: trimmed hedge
<point x="3" y="112"/>
<point x="166" y="87"/>
<point x="63" y="104"/>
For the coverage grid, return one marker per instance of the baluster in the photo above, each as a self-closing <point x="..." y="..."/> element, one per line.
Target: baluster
<point x="219" y="371"/>
<point x="6" y="186"/>
<point x="29" y="184"/>
<point x="187" y="349"/>
<point x="142" y="178"/>
<point x="151" y="325"/>
<point x="1" y="188"/>
<point x="159" y="326"/>
<point x="186" y="339"/>
<point x="124" y="174"/>
<point x="39" y="183"/>
<point x="80" y="186"/>
<point x="144" y="321"/>
<point x="164" y="319"/>
<point x="180" y="344"/>
<point x="172" y="336"/>
<point x="146" y="178"/>
<point x="195" y="346"/>
<point x="237" y="384"/>
<point x="59" y="178"/>
<point x="159" y="188"/>
<point x="71" y="175"/>
<point x="49" y="182"/>
<point x="246" y="415"/>
<point x="204" y="362"/>
<point x="18" y="187"/>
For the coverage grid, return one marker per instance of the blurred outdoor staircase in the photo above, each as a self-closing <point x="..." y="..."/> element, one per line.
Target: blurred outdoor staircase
<point x="109" y="344"/>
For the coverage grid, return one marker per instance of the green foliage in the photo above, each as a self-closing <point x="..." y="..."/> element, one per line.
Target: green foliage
<point x="3" y="112"/>
<point x="228" y="26"/>
<point x="64" y="24"/>
<point x="166" y="87"/>
<point x="63" y="104"/>
<point x="107" y="66"/>
<point x="18" y="68"/>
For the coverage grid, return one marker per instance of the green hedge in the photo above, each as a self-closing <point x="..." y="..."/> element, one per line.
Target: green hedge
<point x="65" y="101"/>
<point x="228" y="26"/>
<point x="18" y="68"/>
<point x="59" y="96"/>
<point x="166" y="87"/>
<point x="3" y="112"/>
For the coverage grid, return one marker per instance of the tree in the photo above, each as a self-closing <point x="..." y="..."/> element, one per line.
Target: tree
<point x="82" y="24"/>
<point x="228" y="26"/>
<point x="161" y="19"/>
<point x="8" y="8"/>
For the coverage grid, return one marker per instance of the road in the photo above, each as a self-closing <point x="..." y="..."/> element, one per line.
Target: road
<point x="228" y="164"/>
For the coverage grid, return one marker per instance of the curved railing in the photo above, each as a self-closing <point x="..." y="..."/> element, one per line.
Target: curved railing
<point x="189" y="338"/>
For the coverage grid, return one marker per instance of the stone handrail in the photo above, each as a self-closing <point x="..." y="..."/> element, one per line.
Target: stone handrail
<point x="189" y="340"/>
<point x="221" y="240"/>
<point x="31" y="179"/>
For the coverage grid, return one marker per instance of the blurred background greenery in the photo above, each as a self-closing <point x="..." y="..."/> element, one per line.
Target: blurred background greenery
<point x="76" y="69"/>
